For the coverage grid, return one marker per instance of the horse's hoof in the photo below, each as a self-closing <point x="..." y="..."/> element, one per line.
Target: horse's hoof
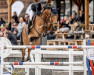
<point x="22" y="60"/>
<point x="28" y="59"/>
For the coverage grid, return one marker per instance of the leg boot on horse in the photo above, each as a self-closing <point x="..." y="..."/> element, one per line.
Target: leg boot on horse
<point x="23" y="54"/>
<point x="28" y="58"/>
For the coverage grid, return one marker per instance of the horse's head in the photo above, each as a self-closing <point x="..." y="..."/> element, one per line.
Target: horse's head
<point x="50" y="17"/>
<point x="46" y="16"/>
<point x="54" y="19"/>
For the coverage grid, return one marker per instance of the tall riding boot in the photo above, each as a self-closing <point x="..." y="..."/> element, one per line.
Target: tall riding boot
<point x="29" y="25"/>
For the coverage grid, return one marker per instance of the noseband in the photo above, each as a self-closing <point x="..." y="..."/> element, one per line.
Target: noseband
<point x="46" y="21"/>
<point x="45" y="25"/>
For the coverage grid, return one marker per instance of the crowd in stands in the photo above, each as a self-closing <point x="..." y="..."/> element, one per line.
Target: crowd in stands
<point x="16" y="25"/>
<point x="67" y="21"/>
<point x="71" y="20"/>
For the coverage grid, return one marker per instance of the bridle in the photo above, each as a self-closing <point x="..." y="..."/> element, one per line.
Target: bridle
<point x="53" y="24"/>
<point x="45" y="21"/>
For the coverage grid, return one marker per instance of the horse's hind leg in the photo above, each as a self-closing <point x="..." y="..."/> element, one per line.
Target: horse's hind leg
<point x="23" y="53"/>
<point x="28" y="58"/>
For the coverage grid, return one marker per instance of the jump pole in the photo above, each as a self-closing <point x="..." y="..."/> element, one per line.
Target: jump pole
<point x="84" y="58"/>
<point x="43" y="63"/>
<point x="2" y="48"/>
<point x="55" y="46"/>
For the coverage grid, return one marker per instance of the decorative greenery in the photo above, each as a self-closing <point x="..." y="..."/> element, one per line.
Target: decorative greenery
<point x="19" y="72"/>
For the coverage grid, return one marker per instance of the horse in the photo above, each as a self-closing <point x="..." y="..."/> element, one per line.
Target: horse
<point x="41" y="26"/>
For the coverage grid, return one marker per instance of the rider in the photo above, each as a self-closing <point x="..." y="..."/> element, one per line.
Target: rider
<point x="36" y="8"/>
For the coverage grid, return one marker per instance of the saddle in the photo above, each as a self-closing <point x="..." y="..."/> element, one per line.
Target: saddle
<point x="30" y="24"/>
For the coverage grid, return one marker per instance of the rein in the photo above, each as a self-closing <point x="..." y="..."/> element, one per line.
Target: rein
<point x="46" y="21"/>
<point x="33" y="23"/>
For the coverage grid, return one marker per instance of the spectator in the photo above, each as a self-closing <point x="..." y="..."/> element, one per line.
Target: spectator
<point x="70" y="20"/>
<point x="51" y="36"/>
<point x="12" y="38"/>
<point x="15" y="33"/>
<point x="81" y="17"/>
<point x="20" y="27"/>
<point x="65" y="19"/>
<point x="77" y="27"/>
<point x="2" y="21"/>
<point x="73" y="18"/>
<point x="11" y="24"/>
<point x="1" y="34"/>
<point x="27" y="18"/>
<point x="14" y="26"/>
<point x="63" y="22"/>
<point x="15" y="17"/>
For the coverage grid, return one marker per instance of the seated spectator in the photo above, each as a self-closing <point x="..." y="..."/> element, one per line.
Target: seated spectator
<point x="51" y="36"/>
<point x="77" y="27"/>
<point x="15" y="17"/>
<point x="2" y="21"/>
<point x="63" y="22"/>
<point x="14" y="26"/>
<point x="11" y="37"/>
<point x="1" y="34"/>
<point x="70" y="20"/>
<point x="11" y="24"/>
<point x="81" y="17"/>
<point x="27" y="18"/>
<point x="66" y="29"/>
<point x="20" y="27"/>
<point x="15" y="33"/>
<point x="73" y="18"/>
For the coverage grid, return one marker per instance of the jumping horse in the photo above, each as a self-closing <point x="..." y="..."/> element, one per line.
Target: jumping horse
<point x="47" y="21"/>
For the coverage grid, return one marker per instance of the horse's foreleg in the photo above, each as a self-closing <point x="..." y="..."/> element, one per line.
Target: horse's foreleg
<point x="29" y="50"/>
<point x="23" y="53"/>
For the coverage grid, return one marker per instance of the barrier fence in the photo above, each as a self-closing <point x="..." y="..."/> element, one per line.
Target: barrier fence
<point x="38" y="65"/>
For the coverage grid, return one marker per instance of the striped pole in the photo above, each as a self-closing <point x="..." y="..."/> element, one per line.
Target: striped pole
<point x="87" y="61"/>
<point x="55" y="46"/>
<point x="42" y="63"/>
<point x="0" y="60"/>
<point x="91" y="63"/>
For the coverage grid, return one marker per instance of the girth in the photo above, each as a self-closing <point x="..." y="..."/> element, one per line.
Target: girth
<point x="33" y="38"/>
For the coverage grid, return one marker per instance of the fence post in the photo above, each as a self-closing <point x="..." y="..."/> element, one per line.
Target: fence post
<point x="70" y="60"/>
<point x="27" y="71"/>
<point x="37" y="59"/>
<point x="2" y="48"/>
<point x="84" y="58"/>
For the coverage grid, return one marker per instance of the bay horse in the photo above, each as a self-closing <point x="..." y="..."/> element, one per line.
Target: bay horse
<point x="46" y="19"/>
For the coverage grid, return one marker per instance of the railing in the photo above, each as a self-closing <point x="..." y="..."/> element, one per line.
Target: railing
<point x="38" y="65"/>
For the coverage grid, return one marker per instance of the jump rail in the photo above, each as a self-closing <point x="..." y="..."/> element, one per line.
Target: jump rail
<point x="43" y="63"/>
<point x="45" y="46"/>
<point x="37" y="71"/>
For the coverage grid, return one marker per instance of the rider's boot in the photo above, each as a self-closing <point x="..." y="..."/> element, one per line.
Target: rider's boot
<point x="28" y="30"/>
